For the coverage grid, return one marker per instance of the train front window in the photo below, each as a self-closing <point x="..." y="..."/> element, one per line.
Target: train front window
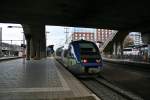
<point x="87" y="49"/>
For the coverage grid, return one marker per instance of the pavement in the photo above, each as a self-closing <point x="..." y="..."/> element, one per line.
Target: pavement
<point x="8" y="58"/>
<point x="43" y="79"/>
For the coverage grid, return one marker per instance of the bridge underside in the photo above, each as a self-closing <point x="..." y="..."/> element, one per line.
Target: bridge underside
<point x="124" y="16"/>
<point x="110" y="14"/>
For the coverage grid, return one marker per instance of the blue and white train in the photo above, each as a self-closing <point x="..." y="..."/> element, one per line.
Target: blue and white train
<point x="81" y="57"/>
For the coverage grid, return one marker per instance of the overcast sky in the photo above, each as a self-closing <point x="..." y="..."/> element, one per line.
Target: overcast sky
<point x="11" y="33"/>
<point x="55" y="36"/>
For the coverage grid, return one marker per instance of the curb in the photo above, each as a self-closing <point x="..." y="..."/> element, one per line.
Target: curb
<point x="11" y="58"/>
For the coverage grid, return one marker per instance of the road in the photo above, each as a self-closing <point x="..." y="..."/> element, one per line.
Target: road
<point x="127" y="78"/>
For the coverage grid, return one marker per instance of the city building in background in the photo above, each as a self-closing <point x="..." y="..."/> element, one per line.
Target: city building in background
<point x="99" y="36"/>
<point x="136" y="36"/>
<point x="83" y="35"/>
<point x="102" y="35"/>
<point x="11" y="49"/>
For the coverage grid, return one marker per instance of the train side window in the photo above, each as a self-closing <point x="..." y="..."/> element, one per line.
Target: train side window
<point x="65" y="53"/>
<point x="69" y="52"/>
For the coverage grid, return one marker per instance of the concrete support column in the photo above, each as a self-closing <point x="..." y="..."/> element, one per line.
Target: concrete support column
<point x="146" y="40"/>
<point x="28" y="50"/>
<point x="38" y="41"/>
<point x="118" y="48"/>
<point x="115" y="49"/>
<point x="28" y="38"/>
<point x="121" y="49"/>
<point x="37" y="54"/>
<point x="32" y="49"/>
<point x="43" y="46"/>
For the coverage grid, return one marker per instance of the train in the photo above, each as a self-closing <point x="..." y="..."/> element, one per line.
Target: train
<point x="81" y="57"/>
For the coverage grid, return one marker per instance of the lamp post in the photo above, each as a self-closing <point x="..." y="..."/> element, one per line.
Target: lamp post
<point x="66" y="31"/>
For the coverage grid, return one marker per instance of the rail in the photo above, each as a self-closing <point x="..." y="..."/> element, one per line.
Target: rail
<point x="107" y="91"/>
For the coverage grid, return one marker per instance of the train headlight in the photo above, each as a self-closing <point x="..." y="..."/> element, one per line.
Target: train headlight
<point x="84" y="61"/>
<point x="98" y="60"/>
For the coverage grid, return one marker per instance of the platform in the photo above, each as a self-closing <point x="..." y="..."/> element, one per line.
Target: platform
<point x="42" y="79"/>
<point x="139" y="64"/>
<point x="9" y="58"/>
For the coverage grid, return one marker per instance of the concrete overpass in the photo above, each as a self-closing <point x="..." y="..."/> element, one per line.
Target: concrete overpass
<point x="114" y="44"/>
<point x="119" y="15"/>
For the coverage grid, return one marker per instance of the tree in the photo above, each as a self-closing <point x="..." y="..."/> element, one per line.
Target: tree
<point x="128" y="41"/>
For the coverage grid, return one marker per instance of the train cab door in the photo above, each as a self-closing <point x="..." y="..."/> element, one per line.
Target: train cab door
<point x="70" y="57"/>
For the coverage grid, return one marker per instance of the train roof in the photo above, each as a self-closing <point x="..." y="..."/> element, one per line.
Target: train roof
<point x="81" y="41"/>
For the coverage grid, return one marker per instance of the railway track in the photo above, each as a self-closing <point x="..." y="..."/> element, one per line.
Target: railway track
<point x="106" y="91"/>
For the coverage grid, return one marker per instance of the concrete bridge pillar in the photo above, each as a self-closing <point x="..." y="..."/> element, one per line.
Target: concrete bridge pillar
<point x="146" y="40"/>
<point x="36" y="44"/>
<point x="28" y="38"/>
<point x="119" y="49"/>
<point x="38" y="41"/>
<point x="116" y="44"/>
<point x="33" y="47"/>
<point x="115" y="49"/>
<point x="43" y="45"/>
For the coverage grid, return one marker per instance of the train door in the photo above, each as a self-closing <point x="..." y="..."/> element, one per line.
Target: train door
<point x="65" y="57"/>
<point x="71" y="58"/>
